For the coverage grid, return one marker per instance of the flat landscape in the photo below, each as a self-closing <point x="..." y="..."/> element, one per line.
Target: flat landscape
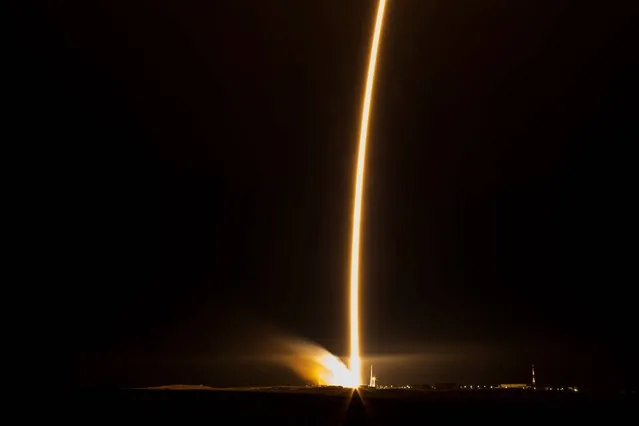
<point x="337" y="406"/>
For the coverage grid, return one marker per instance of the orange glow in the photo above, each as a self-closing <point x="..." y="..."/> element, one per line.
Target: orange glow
<point x="315" y="364"/>
<point x="355" y="363"/>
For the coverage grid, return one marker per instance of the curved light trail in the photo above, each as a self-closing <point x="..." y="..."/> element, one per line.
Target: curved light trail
<point x="355" y="363"/>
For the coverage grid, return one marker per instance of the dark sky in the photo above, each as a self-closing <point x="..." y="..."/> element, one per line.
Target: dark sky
<point x="203" y="158"/>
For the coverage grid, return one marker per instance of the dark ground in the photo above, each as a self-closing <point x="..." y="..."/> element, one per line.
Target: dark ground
<point x="337" y="407"/>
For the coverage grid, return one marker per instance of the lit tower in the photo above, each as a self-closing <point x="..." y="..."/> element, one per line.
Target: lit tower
<point x="373" y="379"/>
<point x="533" y="376"/>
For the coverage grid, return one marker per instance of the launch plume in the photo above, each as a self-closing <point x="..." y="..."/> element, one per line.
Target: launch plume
<point x="313" y="363"/>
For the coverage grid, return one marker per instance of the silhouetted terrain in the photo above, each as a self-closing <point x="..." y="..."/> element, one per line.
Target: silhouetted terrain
<point x="341" y="407"/>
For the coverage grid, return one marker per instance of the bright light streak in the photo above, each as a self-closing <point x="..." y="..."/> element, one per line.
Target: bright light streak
<point x="355" y="363"/>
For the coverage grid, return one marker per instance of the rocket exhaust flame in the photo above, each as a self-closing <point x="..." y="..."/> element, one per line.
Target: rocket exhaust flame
<point x="313" y="363"/>
<point x="355" y="361"/>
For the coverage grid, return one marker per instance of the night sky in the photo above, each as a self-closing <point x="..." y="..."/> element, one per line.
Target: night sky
<point x="200" y="199"/>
